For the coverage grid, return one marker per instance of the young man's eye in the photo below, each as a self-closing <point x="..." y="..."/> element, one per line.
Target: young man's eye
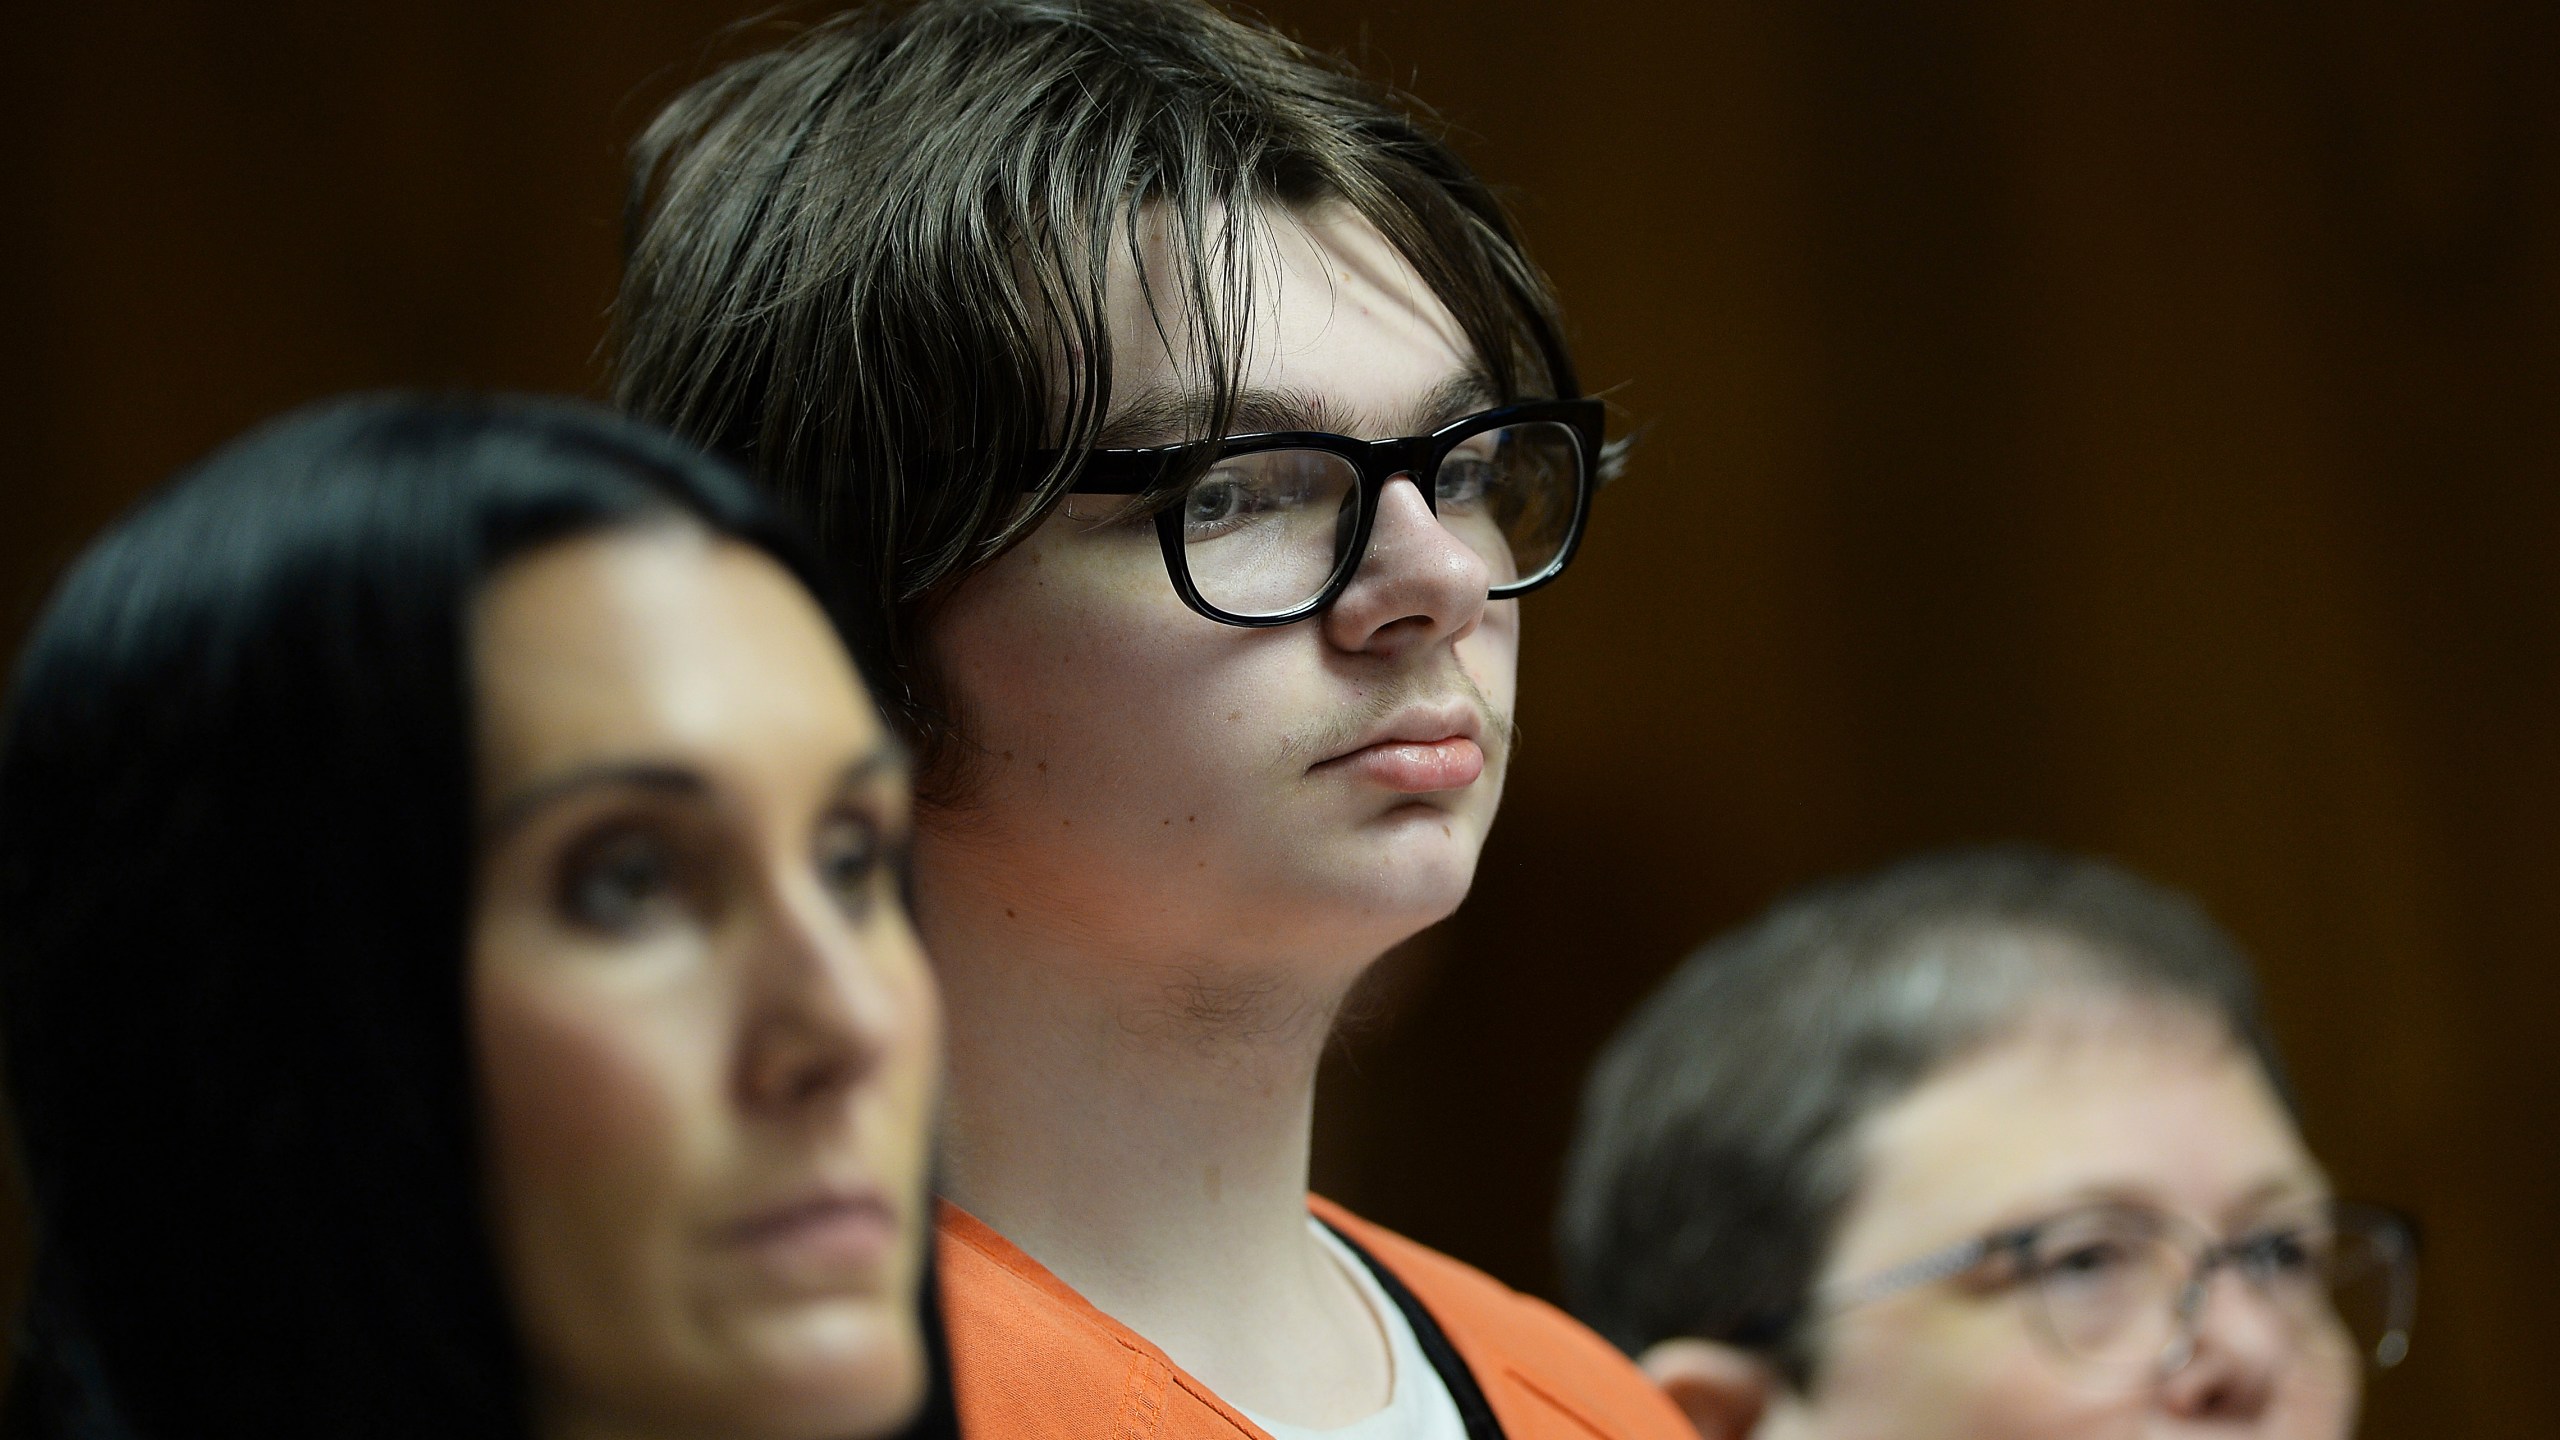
<point x="1267" y="483"/>
<point x="1463" y="479"/>
<point x="1216" y="500"/>
<point x="619" y="883"/>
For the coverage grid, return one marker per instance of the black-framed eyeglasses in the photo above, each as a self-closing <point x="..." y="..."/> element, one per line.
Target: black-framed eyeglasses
<point x="2119" y="1291"/>
<point x="1269" y="529"/>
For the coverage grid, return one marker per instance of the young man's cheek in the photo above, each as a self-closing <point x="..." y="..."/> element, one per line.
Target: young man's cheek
<point x="1491" y="658"/>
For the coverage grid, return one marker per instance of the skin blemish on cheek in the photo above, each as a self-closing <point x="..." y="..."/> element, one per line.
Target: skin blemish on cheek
<point x="1234" y="715"/>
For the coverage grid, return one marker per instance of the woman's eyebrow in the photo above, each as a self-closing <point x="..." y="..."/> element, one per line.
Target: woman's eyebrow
<point x="654" y="776"/>
<point x="2124" y="1192"/>
<point x="886" y="760"/>
<point x="2276" y="1192"/>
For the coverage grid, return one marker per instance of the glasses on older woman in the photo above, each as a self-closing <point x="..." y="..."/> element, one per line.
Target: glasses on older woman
<point x="2119" y="1290"/>
<point x="1268" y="529"/>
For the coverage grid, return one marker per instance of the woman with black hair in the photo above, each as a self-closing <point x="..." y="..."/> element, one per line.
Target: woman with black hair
<point x="453" y="964"/>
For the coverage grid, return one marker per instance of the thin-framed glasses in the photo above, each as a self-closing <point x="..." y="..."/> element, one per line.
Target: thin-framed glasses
<point x="2119" y="1291"/>
<point x="1269" y="529"/>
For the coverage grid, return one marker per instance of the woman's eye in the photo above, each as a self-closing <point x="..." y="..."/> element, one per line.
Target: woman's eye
<point x="2085" y="1261"/>
<point x="2280" y="1253"/>
<point x="619" y="883"/>
<point x="852" y="861"/>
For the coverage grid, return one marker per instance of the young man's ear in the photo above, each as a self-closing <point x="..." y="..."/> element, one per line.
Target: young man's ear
<point x="1723" y="1390"/>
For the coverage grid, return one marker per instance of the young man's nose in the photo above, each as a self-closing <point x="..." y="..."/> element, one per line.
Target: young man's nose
<point x="2242" y="1345"/>
<point x="818" y="1015"/>
<point x="1418" y="584"/>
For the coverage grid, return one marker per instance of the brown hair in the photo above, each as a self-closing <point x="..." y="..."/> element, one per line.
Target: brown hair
<point x="856" y="262"/>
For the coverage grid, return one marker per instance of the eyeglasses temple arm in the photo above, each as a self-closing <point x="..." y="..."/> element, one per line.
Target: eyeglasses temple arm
<point x="1928" y="1269"/>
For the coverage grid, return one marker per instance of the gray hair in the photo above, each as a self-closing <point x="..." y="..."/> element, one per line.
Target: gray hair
<point x="1718" y="1144"/>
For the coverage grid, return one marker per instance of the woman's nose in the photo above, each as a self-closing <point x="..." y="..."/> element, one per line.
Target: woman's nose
<point x="2241" y="1345"/>
<point x="819" y="1012"/>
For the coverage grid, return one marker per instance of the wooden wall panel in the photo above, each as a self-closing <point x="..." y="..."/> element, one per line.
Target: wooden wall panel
<point x="2130" y="427"/>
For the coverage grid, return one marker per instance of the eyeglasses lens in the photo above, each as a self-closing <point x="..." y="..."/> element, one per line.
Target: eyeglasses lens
<point x="2110" y="1286"/>
<point x="2370" y="1280"/>
<point x="1262" y="533"/>
<point x="1265" y="532"/>
<point x="1509" y="494"/>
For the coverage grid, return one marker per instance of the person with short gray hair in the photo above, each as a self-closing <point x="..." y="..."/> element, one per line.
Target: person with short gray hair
<point x="1964" y="1148"/>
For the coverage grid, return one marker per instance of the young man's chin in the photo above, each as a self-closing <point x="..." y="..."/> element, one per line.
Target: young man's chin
<point x="1405" y="868"/>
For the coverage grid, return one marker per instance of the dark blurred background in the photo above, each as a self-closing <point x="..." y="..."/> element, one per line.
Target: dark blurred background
<point x="2129" y="426"/>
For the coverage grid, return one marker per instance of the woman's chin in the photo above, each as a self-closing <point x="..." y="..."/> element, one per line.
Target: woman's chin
<point x="830" y="1375"/>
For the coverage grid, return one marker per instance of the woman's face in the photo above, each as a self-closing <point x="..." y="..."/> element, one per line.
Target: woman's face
<point x="706" y="1037"/>
<point x="2122" y="1105"/>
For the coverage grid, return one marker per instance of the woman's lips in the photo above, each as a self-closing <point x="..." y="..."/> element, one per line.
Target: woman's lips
<point x="1417" y="767"/>
<point x="821" y="1242"/>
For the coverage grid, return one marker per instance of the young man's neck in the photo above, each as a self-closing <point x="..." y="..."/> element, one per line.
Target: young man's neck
<point x="1143" y="1132"/>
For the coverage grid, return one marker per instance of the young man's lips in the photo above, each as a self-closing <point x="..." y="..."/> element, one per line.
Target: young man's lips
<point x="1418" y="767"/>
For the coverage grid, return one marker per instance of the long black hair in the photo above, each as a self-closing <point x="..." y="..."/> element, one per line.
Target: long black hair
<point x="235" y="851"/>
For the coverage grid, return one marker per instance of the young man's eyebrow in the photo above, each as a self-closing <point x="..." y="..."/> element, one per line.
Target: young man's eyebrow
<point x="1459" y="396"/>
<point x="1168" y="415"/>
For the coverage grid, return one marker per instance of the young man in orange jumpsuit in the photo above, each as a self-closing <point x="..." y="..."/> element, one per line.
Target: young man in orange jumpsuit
<point x="1192" y="424"/>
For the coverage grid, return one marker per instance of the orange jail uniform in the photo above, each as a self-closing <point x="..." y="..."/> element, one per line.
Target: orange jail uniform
<point x="1032" y="1358"/>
